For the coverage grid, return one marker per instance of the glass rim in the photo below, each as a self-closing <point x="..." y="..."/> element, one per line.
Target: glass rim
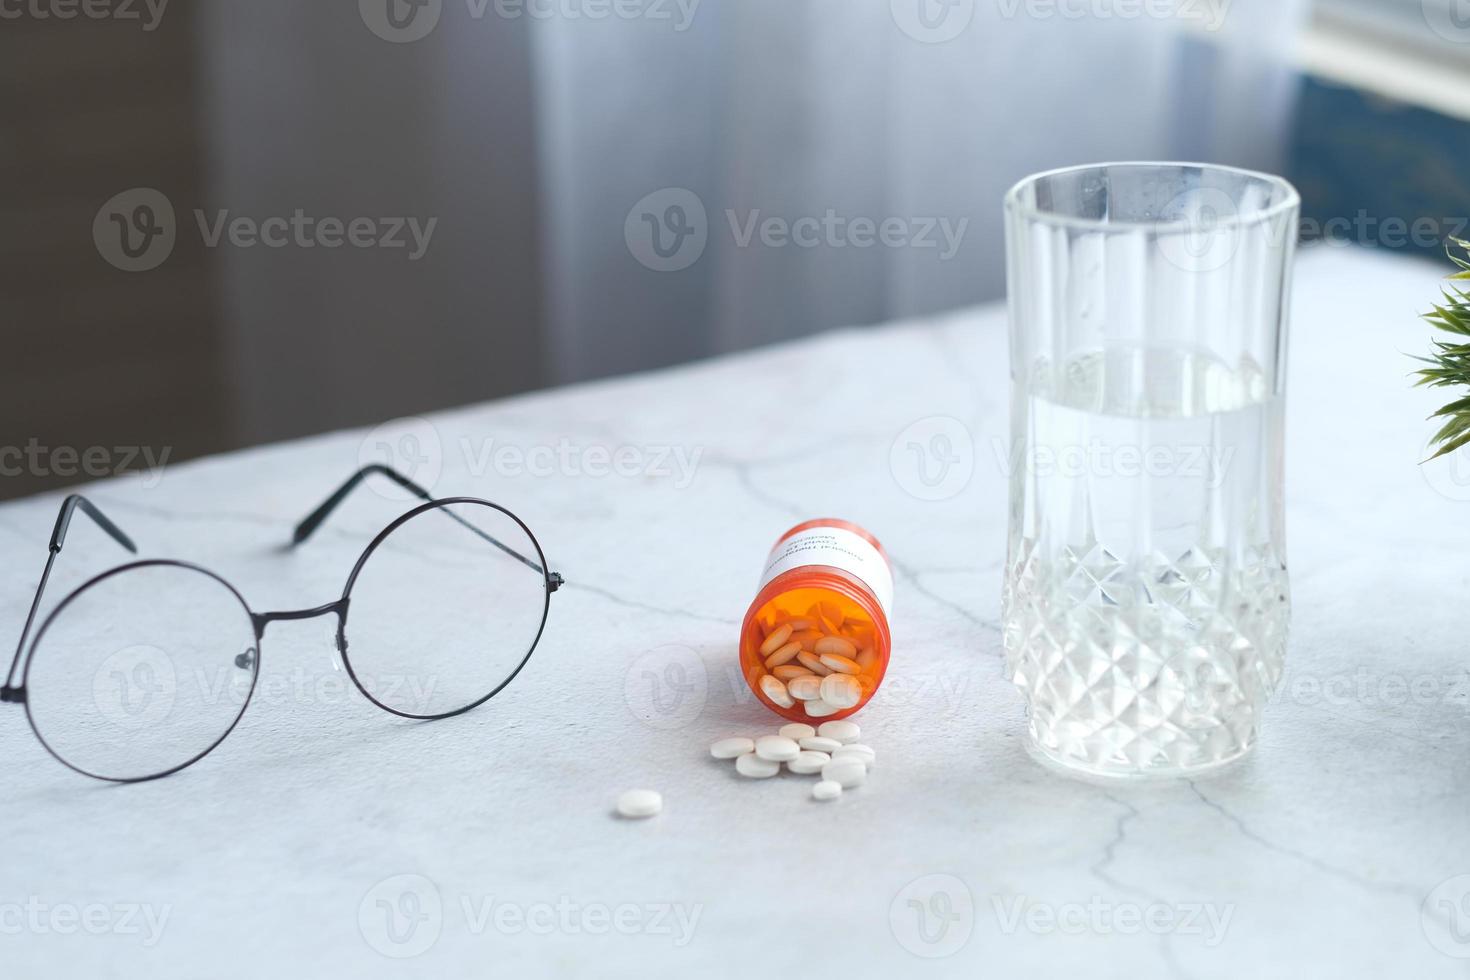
<point x="34" y="649"/>
<point x="1015" y="205"/>
<point x="372" y="548"/>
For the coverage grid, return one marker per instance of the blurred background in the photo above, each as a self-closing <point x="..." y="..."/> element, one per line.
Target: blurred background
<point x="231" y="223"/>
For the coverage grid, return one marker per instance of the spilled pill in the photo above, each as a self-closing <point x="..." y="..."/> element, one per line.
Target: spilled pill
<point x="807" y="763"/>
<point x="860" y="752"/>
<point x="733" y="748"/>
<point x="830" y="752"/>
<point x="754" y="767"/>
<point x="817" y="744"/>
<point x="845" y="732"/>
<point x="637" y="803"/>
<point x="777" y="748"/>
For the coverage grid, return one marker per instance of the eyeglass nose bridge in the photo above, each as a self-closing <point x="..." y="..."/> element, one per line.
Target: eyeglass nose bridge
<point x="262" y="620"/>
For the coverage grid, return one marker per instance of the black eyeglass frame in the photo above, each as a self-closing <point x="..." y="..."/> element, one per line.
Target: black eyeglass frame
<point x="17" y="693"/>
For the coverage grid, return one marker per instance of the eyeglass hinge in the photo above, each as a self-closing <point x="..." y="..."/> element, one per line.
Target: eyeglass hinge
<point x="554" y="581"/>
<point x="13" y="695"/>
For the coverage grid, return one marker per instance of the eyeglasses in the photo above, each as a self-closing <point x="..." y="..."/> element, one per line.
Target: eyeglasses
<point x="146" y="668"/>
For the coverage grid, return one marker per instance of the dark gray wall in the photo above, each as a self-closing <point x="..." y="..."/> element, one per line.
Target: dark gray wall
<point x="258" y="109"/>
<point x="96" y="358"/>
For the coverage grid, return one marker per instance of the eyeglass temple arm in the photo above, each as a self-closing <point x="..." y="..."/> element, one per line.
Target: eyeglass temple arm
<point x="69" y="506"/>
<point x="315" y="519"/>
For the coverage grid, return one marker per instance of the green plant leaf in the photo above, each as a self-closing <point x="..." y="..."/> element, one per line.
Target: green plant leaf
<point x="1449" y="363"/>
<point x="1450" y="446"/>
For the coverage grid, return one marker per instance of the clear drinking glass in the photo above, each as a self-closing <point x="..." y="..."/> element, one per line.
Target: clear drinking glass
<point x="1145" y="602"/>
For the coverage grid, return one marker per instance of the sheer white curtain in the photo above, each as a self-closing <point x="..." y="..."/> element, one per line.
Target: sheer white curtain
<point x="529" y="129"/>
<point x="916" y="112"/>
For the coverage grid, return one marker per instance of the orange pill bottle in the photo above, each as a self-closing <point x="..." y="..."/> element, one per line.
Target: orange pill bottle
<point x="815" y="643"/>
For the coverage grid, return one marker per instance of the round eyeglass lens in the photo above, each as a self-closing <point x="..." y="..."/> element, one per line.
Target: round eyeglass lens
<point x="141" y="671"/>
<point x="445" y="609"/>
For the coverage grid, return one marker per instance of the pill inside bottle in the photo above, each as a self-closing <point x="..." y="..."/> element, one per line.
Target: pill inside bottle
<point x="815" y="643"/>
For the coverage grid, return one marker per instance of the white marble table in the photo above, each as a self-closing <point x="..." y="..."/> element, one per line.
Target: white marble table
<point x="1317" y="858"/>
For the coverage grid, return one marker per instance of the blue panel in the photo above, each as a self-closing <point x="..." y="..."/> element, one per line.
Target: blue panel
<point x="1378" y="172"/>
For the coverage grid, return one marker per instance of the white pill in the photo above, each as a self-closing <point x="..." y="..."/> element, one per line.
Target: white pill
<point x="862" y="753"/>
<point x="796" y="730"/>
<point x="848" y="772"/>
<point x="839" y="664"/>
<point x="807" y="763"/>
<point x="819" y="744"/>
<point x="776" y="691"/>
<point x="755" y="767"/>
<point x="777" y="748"/>
<point x="807" y="688"/>
<point x="778" y="637"/>
<point x="813" y="663"/>
<point x="866" y="659"/>
<point x="820" y="709"/>
<point x="845" y="732"/>
<point x="783" y="656"/>
<point x="836" y="646"/>
<point x="732" y="748"/>
<point x="841" y="691"/>
<point x="826" y="790"/>
<point x="640" y="803"/>
<point x="806" y="639"/>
